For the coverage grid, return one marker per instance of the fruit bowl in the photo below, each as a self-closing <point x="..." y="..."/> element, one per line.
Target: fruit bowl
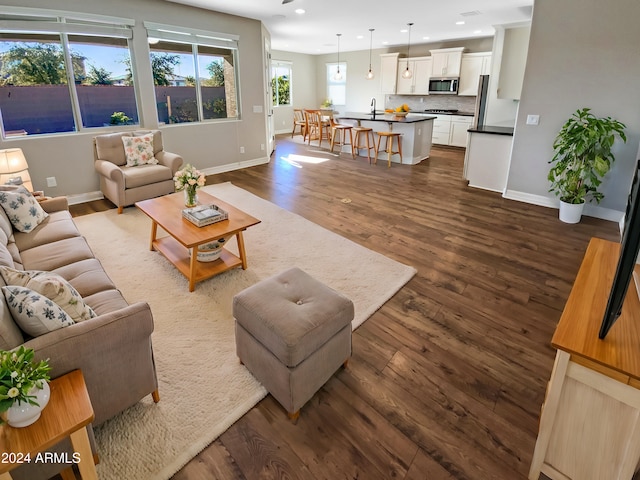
<point x="400" y="114"/>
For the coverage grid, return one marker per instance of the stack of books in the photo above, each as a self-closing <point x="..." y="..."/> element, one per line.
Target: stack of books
<point x="203" y="215"/>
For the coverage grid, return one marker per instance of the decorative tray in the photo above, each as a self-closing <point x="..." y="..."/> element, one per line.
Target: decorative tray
<point x="203" y="215"/>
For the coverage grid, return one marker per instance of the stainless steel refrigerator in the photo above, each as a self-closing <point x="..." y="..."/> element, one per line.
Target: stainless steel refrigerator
<point x="481" y="101"/>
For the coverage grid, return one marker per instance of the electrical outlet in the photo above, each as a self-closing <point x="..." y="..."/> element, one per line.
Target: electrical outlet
<point x="262" y="146"/>
<point x="533" y="119"/>
<point x="51" y="182"/>
<point x="241" y="149"/>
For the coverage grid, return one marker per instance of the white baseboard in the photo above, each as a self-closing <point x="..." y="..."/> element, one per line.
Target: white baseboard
<point x="287" y="130"/>
<point x="589" y="210"/>
<point x="91" y="196"/>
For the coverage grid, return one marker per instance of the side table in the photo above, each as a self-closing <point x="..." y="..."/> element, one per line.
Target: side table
<point x="67" y="415"/>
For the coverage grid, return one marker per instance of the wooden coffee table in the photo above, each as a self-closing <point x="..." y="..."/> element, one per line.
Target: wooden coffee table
<point x="180" y="247"/>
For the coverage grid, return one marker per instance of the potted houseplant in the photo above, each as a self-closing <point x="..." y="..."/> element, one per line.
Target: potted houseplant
<point x="582" y="158"/>
<point x="24" y="390"/>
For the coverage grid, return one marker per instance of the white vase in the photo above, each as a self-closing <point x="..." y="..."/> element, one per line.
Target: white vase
<point x="23" y="414"/>
<point x="571" y="212"/>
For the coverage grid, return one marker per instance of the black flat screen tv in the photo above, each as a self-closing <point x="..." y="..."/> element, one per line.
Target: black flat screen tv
<point x="629" y="247"/>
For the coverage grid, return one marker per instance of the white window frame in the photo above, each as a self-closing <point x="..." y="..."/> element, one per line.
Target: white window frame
<point x="342" y="84"/>
<point x="195" y="37"/>
<point x="289" y="65"/>
<point x="63" y="23"/>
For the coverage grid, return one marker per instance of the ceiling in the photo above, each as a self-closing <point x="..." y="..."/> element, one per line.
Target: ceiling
<point x="314" y="32"/>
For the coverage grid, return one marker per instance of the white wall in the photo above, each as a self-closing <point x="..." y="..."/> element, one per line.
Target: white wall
<point x="212" y="146"/>
<point x="581" y="54"/>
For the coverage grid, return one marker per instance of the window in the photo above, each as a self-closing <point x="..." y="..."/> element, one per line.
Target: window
<point x="281" y="83"/>
<point x="63" y="82"/>
<point x="337" y="89"/>
<point x="194" y="74"/>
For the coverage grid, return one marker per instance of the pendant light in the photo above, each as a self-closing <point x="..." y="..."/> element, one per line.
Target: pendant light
<point x="370" y="72"/>
<point x="338" y="75"/>
<point x="407" y="73"/>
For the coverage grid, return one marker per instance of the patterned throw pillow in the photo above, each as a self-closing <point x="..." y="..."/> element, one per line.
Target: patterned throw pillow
<point x="139" y="150"/>
<point x="23" y="210"/>
<point x="34" y="313"/>
<point x="52" y="286"/>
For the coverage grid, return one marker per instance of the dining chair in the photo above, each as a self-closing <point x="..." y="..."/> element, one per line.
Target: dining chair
<point x="318" y="128"/>
<point x="299" y="120"/>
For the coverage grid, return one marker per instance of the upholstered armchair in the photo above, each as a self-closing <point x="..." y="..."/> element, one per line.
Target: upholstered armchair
<point x="124" y="181"/>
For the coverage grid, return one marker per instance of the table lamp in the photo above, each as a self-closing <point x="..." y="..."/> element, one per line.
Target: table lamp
<point x="14" y="169"/>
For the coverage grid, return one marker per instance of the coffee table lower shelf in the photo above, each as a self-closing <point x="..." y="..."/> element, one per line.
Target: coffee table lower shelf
<point x="179" y="256"/>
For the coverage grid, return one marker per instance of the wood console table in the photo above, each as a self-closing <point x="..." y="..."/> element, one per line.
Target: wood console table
<point x="590" y="421"/>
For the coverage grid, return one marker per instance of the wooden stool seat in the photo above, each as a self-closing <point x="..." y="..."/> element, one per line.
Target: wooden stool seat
<point x="339" y="130"/>
<point x="368" y="132"/>
<point x="388" y="146"/>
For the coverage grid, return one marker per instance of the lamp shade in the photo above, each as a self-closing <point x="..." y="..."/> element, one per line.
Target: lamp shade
<point x="14" y="168"/>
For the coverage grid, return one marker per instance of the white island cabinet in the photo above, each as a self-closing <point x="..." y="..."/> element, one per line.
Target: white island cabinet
<point x="416" y="133"/>
<point x="486" y="161"/>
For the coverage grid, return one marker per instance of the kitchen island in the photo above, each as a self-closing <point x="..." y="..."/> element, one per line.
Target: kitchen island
<point x="416" y="131"/>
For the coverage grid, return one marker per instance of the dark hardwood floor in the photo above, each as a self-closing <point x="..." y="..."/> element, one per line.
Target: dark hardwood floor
<point x="447" y="378"/>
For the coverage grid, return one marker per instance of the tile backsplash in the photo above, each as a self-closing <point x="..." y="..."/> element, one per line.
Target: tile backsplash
<point x="461" y="103"/>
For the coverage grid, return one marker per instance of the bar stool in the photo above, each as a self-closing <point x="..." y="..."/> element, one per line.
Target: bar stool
<point x="340" y="130"/>
<point x="368" y="132"/>
<point x="388" y="146"/>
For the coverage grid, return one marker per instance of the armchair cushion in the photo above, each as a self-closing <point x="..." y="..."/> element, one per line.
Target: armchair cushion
<point x="145" y="175"/>
<point x="139" y="150"/>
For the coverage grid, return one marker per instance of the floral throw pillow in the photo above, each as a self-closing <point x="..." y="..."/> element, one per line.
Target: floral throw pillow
<point x="34" y="313"/>
<point x="52" y="286"/>
<point x="23" y="210"/>
<point x="139" y="150"/>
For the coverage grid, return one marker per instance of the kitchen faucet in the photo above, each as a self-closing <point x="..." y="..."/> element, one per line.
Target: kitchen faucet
<point x="373" y="105"/>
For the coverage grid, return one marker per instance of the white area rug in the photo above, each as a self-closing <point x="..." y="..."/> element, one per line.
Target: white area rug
<point x="203" y="387"/>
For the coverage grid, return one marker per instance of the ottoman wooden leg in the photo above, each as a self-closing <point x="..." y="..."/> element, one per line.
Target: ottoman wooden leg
<point x="294" y="416"/>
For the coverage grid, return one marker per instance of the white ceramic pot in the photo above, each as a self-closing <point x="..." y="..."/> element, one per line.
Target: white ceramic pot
<point x="24" y="414"/>
<point x="571" y="212"/>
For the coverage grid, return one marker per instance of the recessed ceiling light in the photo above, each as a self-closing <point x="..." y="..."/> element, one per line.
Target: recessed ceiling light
<point x="385" y="43"/>
<point x="425" y="38"/>
<point x="360" y="37"/>
<point x="279" y="17"/>
<point x="300" y="11"/>
<point x="460" y="22"/>
<point x="404" y="30"/>
<point x="477" y="31"/>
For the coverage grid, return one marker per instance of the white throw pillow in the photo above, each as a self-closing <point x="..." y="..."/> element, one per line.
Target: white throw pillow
<point x="139" y="150"/>
<point x="52" y="286"/>
<point x="23" y="210"/>
<point x="35" y="313"/>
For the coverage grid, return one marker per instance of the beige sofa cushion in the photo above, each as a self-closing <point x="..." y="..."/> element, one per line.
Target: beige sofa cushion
<point x="56" y="254"/>
<point x="52" y="286"/>
<point x="35" y="313"/>
<point x="57" y="226"/>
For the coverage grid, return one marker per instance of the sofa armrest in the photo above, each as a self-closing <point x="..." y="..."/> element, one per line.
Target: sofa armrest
<point x="110" y="170"/>
<point x="171" y="160"/>
<point x="55" y="204"/>
<point x="114" y="353"/>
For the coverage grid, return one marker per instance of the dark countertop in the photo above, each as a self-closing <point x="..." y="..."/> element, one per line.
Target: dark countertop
<point x="492" y="130"/>
<point x="381" y="117"/>
<point x="463" y="114"/>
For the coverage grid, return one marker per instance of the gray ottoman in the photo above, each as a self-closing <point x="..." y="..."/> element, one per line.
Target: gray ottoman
<point x="292" y="333"/>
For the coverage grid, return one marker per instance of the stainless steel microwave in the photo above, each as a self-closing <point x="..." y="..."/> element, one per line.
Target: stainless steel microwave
<point x="443" y="85"/>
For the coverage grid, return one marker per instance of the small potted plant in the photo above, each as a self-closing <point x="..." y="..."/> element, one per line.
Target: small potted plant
<point x="189" y="179"/>
<point x="582" y="158"/>
<point x="24" y="390"/>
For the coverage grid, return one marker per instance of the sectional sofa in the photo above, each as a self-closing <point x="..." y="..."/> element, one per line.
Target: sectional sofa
<point x="113" y="348"/>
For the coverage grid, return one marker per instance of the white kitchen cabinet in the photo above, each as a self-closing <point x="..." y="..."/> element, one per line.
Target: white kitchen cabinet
<point x="441" y="129"/>
<point x="388" y="72"/>
<point x="471" y="67"/>
<point x="459" y="126"/>
<point x="446" y="62"/>
<point x="418" y="84"/>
